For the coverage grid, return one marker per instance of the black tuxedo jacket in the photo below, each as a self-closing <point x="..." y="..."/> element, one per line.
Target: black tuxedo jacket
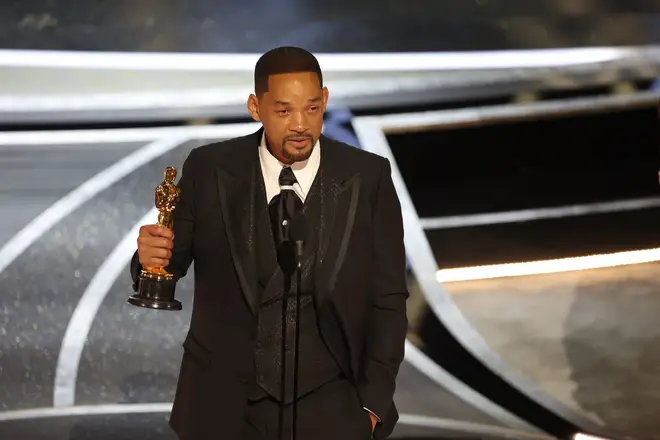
<point x="356" y="238"/>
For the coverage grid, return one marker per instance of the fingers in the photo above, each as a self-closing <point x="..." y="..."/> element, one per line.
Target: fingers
<point x="149" y="251"/>
<point x="155" y="244"/>
<point x="157" y="231"/>
<point x="150" y="257"/>
<point x="154" y="257"/>
<point x="154" y="262"/>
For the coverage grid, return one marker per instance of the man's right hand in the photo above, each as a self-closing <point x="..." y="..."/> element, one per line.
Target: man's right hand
<point x="155" y="244"/>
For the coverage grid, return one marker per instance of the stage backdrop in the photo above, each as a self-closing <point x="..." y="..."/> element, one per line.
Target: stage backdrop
<point x="338" y="26"/>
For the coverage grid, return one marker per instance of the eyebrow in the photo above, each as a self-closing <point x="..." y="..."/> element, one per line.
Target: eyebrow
<point x="312" y="100"/>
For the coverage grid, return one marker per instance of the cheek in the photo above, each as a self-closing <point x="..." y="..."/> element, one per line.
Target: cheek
<point x="317" y="131"/>
<point x="316" y="123"/>
<point x="274" y="128"/>
<point x="275" y="131"/>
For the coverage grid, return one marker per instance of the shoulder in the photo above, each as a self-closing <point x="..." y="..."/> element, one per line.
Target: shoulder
<point x="228" y="147"/>
<point x="356" y="159"/>
<point x="236" y="150"/>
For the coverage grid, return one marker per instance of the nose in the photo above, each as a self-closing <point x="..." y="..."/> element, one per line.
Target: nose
<point x="298" y="123"/>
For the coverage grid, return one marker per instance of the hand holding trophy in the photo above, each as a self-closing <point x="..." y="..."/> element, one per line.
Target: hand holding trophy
<point x="156" y="286"/>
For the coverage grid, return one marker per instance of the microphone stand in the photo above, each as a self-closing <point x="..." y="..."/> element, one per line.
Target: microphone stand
<point x="280" y="425"/>
<point x="299" y="253"/>
<point x="296" y="344"/>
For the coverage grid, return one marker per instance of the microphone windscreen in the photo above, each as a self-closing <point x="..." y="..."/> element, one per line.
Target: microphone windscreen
<point x="298" y="228"/>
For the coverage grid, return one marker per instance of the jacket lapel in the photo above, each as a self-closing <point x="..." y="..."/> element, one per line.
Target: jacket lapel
<point x="312" y="210"/>
<point x="330" y="210"/>
<point x="339" y="188"/>
<point x="237" y="189"/>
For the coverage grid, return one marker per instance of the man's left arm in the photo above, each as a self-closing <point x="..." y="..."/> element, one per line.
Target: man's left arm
<point x="388" y="323"/>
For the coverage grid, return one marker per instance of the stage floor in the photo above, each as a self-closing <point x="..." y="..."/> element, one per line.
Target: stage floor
<point x="592" y="341"/>
<point x="153" y="426"/>
<point x="70" y="338"/>
<point x="76" y="360"/>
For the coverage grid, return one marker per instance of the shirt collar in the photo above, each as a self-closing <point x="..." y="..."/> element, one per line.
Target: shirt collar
<point x="305" y="171"/>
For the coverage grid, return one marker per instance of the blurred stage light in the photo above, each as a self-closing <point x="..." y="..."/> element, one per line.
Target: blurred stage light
<point x="548" y="266"/>
<point x="344" y="62"/>
<point x="581" y="436"/>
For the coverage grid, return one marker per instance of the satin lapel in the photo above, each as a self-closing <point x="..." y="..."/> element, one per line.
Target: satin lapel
<point x="237" y="200"/>
<point x="266" y="258"/>
<point x="312" y="210"/>
<point x="340" y="192"/>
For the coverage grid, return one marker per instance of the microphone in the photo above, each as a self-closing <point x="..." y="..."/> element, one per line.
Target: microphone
<point x="298" y="228"/>
<point x="289" y="251"/>
<point x="297" y="234"/>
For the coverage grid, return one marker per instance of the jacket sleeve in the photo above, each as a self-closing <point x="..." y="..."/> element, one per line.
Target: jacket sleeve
<point x="388" y="323"/>
<point x="184" y="221"/>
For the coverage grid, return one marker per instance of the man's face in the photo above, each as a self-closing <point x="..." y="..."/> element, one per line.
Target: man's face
<point x="291" y="112"/>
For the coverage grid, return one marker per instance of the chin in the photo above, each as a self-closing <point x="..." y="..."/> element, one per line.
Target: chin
<point x="299" y="155"/>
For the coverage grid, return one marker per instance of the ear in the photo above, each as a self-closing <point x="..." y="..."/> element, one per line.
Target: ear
<point x="253" y="107"/>
<point x="326" y="93"/>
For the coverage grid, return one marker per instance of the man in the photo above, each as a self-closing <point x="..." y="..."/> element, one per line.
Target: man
<point x="238" y="199"/>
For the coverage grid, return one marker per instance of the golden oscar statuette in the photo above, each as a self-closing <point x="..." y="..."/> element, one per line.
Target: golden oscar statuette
<point x="156" y="285"/>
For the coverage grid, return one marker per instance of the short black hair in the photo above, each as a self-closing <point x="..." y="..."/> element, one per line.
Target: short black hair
<point x="286" y="59"/>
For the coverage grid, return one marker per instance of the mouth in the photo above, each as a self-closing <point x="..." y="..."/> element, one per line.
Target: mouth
<point x="298" y="142"/>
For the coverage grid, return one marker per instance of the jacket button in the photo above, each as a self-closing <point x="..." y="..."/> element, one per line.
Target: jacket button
<point x="243" y="380"/>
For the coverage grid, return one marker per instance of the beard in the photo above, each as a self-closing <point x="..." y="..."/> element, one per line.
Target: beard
<point x="297" y="155"/>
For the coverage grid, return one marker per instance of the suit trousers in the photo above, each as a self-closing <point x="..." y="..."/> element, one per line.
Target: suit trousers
<point x="331" y="412"/>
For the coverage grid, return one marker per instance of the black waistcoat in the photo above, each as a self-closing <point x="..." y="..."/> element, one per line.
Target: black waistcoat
<point x="316" y="364"/>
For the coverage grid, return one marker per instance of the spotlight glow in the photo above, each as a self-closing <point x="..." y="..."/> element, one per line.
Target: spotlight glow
<point x="548" y="266"/>
<point x="581" y="436"/>
<point x="345" y="62"/>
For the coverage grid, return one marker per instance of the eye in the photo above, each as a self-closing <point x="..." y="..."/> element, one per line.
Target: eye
<point x="282" y="112"/>
<point x="313" y="108"/>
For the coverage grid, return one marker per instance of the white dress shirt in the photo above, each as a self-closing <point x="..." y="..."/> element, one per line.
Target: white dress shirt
<point x="305" y="172"/>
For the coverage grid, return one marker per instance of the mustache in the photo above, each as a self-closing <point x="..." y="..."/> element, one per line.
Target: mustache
<point x="298" y="136"/>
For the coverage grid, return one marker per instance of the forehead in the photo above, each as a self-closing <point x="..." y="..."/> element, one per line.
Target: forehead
<point x="292" y="85"/>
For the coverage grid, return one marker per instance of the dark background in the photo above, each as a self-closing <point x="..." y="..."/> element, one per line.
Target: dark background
<point x="536" y="163"/>
<point x="337" y="26"/>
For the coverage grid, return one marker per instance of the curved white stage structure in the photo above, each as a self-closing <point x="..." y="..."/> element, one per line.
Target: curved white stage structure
<point x="50" y="88"/>
<point x="77" y="87"/>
